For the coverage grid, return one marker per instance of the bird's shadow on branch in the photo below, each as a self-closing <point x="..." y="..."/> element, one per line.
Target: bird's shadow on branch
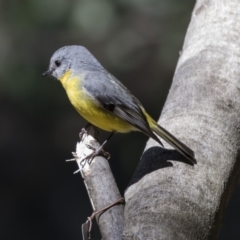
<point x="156" y="158"/>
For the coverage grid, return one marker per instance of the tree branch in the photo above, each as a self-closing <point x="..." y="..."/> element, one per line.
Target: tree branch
<point x="101" y="187"/>
<point x="203" y="110"/>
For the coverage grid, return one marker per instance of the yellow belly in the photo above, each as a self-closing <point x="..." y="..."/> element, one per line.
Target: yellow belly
<point x="102" y="119"/>
<point x="91" y="111"/>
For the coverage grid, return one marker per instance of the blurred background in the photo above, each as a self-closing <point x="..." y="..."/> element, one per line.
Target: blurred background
<point x="138" y="41"/>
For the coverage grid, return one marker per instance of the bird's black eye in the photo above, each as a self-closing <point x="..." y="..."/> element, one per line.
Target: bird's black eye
<point x="57" y="63"/>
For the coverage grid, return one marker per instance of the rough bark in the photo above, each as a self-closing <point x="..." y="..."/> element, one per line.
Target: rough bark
<point x="203" y="110"/>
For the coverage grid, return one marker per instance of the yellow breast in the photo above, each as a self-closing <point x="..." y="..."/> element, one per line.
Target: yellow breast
<point x="88" y="107"/>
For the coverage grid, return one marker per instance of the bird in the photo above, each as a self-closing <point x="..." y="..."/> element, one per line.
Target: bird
<point x="103" y="100"/>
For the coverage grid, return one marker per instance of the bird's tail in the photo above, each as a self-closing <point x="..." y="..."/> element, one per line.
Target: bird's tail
<point x="173" y="141"/>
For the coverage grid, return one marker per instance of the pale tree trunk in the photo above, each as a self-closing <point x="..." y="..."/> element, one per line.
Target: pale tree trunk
<point x="179" y="201"/>
<point x="170" y="199"/>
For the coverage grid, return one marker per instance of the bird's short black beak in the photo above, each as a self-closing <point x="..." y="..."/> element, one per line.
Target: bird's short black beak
<point x="47" y="73"/>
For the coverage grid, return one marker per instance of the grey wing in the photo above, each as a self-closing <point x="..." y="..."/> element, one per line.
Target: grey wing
<point x="114" y="97"/>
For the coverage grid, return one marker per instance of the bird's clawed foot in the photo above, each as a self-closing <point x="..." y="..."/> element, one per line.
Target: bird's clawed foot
<point x="99" y="151"/>
<point x="96" y="152"/>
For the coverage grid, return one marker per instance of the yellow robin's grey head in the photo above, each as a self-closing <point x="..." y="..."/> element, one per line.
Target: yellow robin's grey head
<point x="71" y="58"/>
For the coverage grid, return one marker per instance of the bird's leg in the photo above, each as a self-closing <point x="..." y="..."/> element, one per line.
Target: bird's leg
<point x="97" y="152"/>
